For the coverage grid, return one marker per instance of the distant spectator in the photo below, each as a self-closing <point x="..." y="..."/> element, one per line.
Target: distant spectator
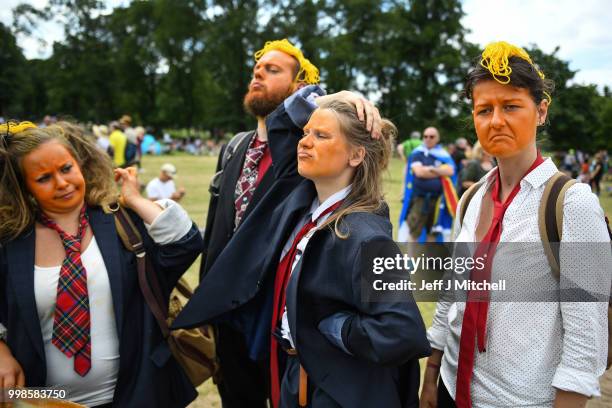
<point x="585" y="175"/>
<point x="131" y="147"/>
<point x="429" y="196"/>
<point x="101" y="133"/>
<point x="140" y="133"/>
<point x="47" y="120"/>
<point x="461" y="152"/>
<point x="597" y="173"/>
<point x="570" y="164"/>
<point x="163" y="186"/>
<point x="118" y="141"/>
<point x="407" y="146"/>
<point x="475" y="169"/>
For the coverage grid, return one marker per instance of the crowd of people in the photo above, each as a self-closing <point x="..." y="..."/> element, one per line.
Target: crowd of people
<point x="295" y="204"/>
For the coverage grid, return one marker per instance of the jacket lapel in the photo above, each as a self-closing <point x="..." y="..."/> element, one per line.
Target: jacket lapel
<point x="291" y="212"/>
<point x="291" y="298"/>
<point x="20" y="257"/>
<point x="103" y="227"/>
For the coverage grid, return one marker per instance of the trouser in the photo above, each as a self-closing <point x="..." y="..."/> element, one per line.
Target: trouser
<point x="290" y="386"/>
<point x="444" y="398"/>
<point x="243" y="382"/>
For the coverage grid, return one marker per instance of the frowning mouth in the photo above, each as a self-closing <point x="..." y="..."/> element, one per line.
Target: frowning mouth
<point x="500" y="136"/>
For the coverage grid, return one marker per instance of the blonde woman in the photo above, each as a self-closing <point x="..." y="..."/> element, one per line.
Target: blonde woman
<point x="343" y="350"/>
<point x="71" y="312"/>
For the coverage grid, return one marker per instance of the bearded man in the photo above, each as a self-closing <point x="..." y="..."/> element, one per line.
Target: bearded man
<point x="247" y="176"/>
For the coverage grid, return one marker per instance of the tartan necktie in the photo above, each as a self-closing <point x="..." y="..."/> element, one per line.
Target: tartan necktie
<point x="248" y="178"/>
<point x="474" y="326"/>
<point x="71" y="320"/>
<point x="283" y="273"/>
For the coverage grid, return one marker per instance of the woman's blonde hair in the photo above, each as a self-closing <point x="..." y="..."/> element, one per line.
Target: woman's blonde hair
<point x="18" y="209"/>
<point x="366" y="188"/>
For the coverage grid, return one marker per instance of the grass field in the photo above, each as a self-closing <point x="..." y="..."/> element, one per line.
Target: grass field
<point x="195" y="173"/>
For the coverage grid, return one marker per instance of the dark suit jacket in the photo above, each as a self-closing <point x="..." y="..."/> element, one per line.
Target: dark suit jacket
<point x="385" y="338"/>
<point x="234" y="277"/>
<point x="148" y="374"/>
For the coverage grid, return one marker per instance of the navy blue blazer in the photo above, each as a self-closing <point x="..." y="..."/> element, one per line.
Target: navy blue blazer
<point x="386" y="339"/>
<point x="148" y="374"/>
<point x="232" y="287"/>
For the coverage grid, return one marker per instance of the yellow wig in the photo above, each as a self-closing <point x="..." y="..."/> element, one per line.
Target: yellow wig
<point x="12" y="128"/>
<point x="495" y="59"/>
<point x="308" y="73"/>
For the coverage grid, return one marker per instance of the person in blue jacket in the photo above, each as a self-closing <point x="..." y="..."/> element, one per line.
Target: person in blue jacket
<point x="71" y="312"/>
<point x="342" y="349"/>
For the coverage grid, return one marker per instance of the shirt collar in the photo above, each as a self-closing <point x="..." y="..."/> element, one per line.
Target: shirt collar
<point x="535" y="178"/>
<point x="317" y="209"/>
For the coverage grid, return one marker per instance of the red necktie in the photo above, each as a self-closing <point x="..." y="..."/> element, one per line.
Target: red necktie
<point x="283" y="272"/>
<point x="71" y="320"/>
<point x="245" y="187"/>
<point x="474" y="327"/>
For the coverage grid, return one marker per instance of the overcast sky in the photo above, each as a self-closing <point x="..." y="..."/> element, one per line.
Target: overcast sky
<point x="582" y="28"/>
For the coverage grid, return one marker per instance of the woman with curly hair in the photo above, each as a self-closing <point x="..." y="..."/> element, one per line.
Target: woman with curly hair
<point x="71" y="312"/>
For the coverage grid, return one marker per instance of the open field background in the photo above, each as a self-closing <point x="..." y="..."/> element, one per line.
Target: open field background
<point x="195" y="173"/>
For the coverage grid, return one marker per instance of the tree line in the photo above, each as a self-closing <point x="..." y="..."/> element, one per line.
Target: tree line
<point x="187" y="63"/>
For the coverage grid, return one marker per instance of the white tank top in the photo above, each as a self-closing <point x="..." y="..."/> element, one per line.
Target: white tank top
<point x="98" y="386"/>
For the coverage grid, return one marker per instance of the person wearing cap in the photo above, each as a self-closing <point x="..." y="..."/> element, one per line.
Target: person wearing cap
<point x="234" y="294"/>
<point x="163" y="186"/>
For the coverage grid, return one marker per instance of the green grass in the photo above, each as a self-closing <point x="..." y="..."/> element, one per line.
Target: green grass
<point x="195" y="173"/>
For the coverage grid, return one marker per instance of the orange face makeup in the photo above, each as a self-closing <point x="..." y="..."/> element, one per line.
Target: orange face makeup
<point x="54" y="178"/>
<point x="505" y="118"/>
<point x="323" y="152"/>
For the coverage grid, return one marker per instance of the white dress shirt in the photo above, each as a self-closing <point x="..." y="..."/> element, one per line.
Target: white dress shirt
<point x="315" y="212"/>
<point x="98" y="386"/>
<point x="533" y="347"/>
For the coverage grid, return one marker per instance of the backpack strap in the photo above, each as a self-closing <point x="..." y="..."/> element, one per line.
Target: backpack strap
<point x="550" y="217"/>
<point x="227" y="154"/>
<point x="132" y="240"/>
<point x="467" y="197"/>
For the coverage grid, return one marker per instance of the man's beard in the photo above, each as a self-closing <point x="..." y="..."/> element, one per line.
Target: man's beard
<point x="262" y="105"/>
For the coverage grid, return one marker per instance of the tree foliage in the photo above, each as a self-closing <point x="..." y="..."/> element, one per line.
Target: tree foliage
<point x="188" y="63"/>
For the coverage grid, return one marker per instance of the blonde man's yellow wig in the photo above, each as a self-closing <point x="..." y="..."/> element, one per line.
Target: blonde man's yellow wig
<point x="308" y="73"/>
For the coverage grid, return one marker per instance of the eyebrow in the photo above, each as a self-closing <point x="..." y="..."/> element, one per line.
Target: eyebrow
<point x="489" y="101"/>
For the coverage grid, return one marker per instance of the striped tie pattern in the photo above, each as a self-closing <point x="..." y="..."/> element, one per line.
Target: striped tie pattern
<point x="71" y="320"/>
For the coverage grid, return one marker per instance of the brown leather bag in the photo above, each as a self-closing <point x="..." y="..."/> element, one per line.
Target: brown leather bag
<point x="194" y="349"/>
